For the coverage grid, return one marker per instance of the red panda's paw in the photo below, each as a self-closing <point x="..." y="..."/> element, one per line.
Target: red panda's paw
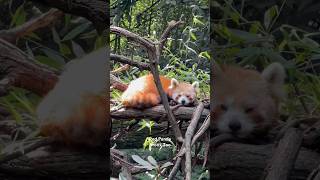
<point x="172" y="103"/>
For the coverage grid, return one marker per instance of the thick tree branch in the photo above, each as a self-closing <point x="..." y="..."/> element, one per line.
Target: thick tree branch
<point x="20" y="70"/>
<point x="284" y="156"/>
<point x="235" y="161"/>
<point x="156" y="113"/>
<point x="95" y="11"/>
<point x="12" y="35"/>
<point x="188" y="137"/>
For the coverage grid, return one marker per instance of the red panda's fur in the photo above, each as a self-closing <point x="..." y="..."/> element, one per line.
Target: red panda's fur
<point x="75" y="111"/>
<point x="143" y="93"/>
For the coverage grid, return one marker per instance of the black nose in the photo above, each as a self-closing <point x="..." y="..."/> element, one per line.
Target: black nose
<point x="235" y="126"/>
<point x="183" y="102"/>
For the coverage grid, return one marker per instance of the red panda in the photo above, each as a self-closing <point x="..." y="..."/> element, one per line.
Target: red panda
<point x="75" y="111"/>
<point x="245" y="102"/>
<point x="143" y="93"/>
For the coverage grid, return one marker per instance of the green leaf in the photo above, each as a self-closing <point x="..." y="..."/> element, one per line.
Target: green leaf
<point x="48" y="61"/>
<point x="254" y="27"/>
<point x="64" y="49"/>
<point x="269" y="15"/>
<point x="77" y="49"/>
<point x="193" y="36"/>
<point x="55" y="56"/>
<point x="235" y="17"/>
<point x="310" y="42"/>
<point x="145" y="164"/>
<point x="244" y="35"/>
<point x="76" y="31"/>
<point x="197" y="21"/>
<point x="215" y="4"/>
<point x="101" y="41"/>
<point x="55" y="35"/>
<point x="205" y="54"/>
<point x="19" y="17"/>
<point x="167" y="164"/>
<point x="152" y="161"/>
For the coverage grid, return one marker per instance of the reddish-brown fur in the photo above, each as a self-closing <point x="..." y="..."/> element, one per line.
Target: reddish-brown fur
<point x="88" y="125"/>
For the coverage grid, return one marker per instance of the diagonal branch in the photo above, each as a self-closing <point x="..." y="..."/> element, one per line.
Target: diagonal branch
<point x="125" y="60"/>
<point x="12" y="35"/>
<point x="95" y="11"/>
<point x="171" y="25"/>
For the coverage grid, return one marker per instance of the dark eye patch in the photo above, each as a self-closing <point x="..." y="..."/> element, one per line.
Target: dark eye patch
<point x="223" y="107"/>
<point x="249" y="110"/>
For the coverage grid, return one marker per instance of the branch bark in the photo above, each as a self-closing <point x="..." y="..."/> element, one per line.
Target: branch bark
<point x="12" y="35"/>
<point x="188" y="136"/>
<point x="125" y="60"/>
<point x="235" y="161"/>
<point x="95" y="11"/>
<point x="284" y="156"/>
<point x="22" y="71"/>
<point x="156" y="113"/>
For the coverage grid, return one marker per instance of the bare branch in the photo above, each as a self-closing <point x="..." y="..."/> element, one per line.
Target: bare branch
<point x="28" y="148"/>
<point x="284" y="156"/>
<point x="125" y="60"/>
<point x="156" y="113"/>
<point x="22" y="71"/>
<point x="95" y="11"/>
<point x="188" y="136"/>
<point x="171" y="25"/>
<point x="143" y="42"/>
<point x="12" y="35"/>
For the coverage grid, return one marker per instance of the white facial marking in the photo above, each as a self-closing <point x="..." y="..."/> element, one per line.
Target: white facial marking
<point x="182" y="99"/>
<point x="233" y="115"/>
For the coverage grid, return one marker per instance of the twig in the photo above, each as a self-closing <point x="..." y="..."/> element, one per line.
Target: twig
<point x="171" y="25"/>
<point x="120" y="69"/>
<point x="175" y="168"/>
<point x="117" y="83"/>
<point x="188" y="136"/>
<point x="13" y="155"/>
<point x="182" y="151"/>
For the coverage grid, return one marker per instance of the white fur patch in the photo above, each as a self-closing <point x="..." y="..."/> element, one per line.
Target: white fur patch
<point x="181" y="99"/>
<point x="247" y="125"/>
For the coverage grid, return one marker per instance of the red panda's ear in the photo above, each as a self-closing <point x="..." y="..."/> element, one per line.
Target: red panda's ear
<point x="195" y="85"/>
<point x="174" y="83"/>
<point x="275" y="74"/>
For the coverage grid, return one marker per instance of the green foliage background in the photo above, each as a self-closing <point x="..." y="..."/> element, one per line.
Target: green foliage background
<point x="186" y="54"/>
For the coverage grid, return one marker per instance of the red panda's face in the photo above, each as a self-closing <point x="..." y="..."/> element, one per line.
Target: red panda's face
<point x="245" y="101"/>
<point x="183" y="93"/>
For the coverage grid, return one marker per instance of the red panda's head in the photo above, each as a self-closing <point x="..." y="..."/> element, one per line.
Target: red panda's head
<point x="183" y="93"/>
<point x="246" y="101"/>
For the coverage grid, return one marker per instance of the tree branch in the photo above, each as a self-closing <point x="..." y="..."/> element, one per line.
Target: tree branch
<point x="125" y="60"/>
<point x="95" y="11"/>
<point x="22" y="71"/>
<point x="12" y="35"/>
